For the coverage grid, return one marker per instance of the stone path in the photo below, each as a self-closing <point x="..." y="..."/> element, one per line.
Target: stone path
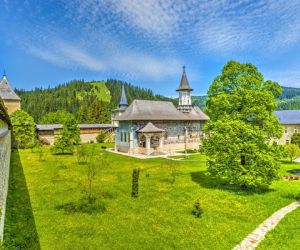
<point x="253" y="239"/>
<point x="297" y="160"/>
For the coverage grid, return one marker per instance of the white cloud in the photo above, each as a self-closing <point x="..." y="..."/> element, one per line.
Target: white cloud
<point x="80" y="57"/>
<point x="198" y="25"/>
<point x="151" y="16"/>
<point x="67" y="56"/>
<point x="137" y="37"/>
<point x="130" y="63"/>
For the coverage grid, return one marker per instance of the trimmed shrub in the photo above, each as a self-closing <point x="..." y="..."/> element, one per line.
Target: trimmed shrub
<point x="135" y="182"/>
<point x="197" y="210"/>
<point x="101" y="137"/>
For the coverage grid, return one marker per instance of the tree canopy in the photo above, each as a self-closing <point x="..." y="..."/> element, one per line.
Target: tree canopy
<point x="240" y="106"/>
<point x="23" y="129"/>
<point x="57" y="117"/>
<point x="89" y="102"/>
<point x="68" y="137"/>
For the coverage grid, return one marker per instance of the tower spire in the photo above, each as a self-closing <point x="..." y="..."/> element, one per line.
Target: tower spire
<point x="123" y="99"/>
<point x="184" y="83"/>
<point x="184" y="90"/>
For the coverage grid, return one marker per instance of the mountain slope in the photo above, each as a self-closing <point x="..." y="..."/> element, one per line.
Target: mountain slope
<point x="90" y="102"/>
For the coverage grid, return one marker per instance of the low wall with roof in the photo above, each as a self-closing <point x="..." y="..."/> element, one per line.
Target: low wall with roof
<point x="5" y="152"/>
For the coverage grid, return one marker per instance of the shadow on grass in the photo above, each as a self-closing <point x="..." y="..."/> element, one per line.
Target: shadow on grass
<point x="20" y="230"/>
<point x="207" y="181"/>
<point x="84" y="205"/>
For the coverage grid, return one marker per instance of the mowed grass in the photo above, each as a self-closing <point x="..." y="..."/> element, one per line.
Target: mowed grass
<point x="286" y="235"/>
<point x="160" y="218"/>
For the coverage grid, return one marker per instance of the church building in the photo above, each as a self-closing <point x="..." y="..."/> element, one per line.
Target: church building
<point x="158" y="127"/>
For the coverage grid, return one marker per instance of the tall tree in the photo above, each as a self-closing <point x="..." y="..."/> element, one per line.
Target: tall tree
<point x="241" y="105"/>
<point x="23" y="129"/>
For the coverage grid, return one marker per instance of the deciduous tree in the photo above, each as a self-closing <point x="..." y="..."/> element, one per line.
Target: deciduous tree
<point x="68" y="137"/>
<point x="296" y="139"/>
<point x="240" y="106"/>
<point x="23" y="129"/>
<point x="292" y="151"/>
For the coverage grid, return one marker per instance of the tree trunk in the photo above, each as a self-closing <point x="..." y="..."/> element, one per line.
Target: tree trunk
<point x="243" y="160"/>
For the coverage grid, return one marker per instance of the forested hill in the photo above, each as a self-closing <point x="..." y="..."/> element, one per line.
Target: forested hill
<point x="90" y="102"/>
<point x="289" y="99"/>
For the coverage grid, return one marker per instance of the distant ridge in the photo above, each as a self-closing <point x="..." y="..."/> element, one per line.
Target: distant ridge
<point x="85" y="98"/>
<point x="89" y="102"/>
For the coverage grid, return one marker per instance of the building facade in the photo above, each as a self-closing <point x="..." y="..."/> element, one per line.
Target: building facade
<point x="158" y="127"/>
<point x="11" y="100"/>
<point x="290" y="121"/>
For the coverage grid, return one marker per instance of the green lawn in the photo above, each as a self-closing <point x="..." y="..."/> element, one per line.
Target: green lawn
<point x="286" y="235"/>
<point x="160" y="218"/>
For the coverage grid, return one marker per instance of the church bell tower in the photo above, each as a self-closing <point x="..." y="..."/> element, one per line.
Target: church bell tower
<point x="123" y="105"/>
<point x="184" y="90"/>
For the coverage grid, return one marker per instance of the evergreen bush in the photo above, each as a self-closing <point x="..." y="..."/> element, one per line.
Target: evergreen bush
<point x="101" y="137"/>
<point x="135" y="182"/>
<point x="197" y="210"/>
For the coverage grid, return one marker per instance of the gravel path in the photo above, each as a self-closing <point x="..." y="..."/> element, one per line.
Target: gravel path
<point x="297" y="160"/>
<point x="254" y="238"/>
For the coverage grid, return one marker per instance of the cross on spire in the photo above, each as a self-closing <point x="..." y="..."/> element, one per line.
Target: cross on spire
<point x="183" y="67"/>
<point x="4" y="75"/>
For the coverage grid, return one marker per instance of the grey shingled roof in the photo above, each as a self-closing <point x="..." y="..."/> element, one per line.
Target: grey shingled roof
<point x="150" y="128"/>
<point x="145" y="110"/>
<point x="6" y="92"/>
<point x="48" y="127"/>
<point x="288" y="116"/>
<point x="184" y="83"/>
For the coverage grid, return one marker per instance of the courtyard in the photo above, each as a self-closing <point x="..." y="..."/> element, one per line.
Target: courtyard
<point x="41" y="190"/>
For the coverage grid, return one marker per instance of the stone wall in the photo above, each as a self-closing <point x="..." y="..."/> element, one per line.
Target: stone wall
<point x="5" y="151"/>
<point x="85" y="136"/>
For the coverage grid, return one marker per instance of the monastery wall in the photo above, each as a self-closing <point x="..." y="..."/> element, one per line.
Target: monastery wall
<point x="5" y="152"/>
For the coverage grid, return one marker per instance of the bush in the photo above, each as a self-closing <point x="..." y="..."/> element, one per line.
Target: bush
<point x="82" y="153"/>
<point x="84" y="205"/>
<point x="292" y="151"/>
<point x="135" y="182"/>
<point x="68" y="137"/>
<point x="197" y="210"/>
<point x="296" y="139"/>
<point x="101" y="137"/>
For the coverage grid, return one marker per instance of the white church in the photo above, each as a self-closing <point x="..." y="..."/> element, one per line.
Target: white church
<point x="158" y="127"/>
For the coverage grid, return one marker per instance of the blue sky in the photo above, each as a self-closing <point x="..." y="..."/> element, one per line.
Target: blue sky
<point x="146" y="42"/>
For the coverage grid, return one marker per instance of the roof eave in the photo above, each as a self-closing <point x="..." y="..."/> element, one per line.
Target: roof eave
<point x="184" y="89"/>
